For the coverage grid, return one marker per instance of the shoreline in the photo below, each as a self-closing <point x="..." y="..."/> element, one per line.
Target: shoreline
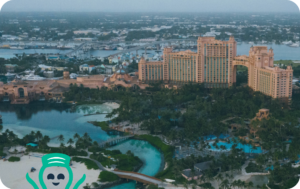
<point x="13" y="173"/>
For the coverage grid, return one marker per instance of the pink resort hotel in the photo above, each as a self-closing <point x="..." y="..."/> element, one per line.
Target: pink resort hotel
<point x="214" y="65"/>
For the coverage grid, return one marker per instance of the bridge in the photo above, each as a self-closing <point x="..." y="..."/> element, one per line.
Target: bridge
<point x="131" y="49"/>
<point x="138" y="177"/>
<point x="76" y="49"/>
<point x="113" y="141"/>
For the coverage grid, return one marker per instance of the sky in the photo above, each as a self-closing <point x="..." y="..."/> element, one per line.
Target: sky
<point x="151" y="6"/>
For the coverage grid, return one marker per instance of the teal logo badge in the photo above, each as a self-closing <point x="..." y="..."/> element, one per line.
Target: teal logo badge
<point x="55" y="160"/>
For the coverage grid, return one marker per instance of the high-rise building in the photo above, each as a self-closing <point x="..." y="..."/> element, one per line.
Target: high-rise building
<point x="214" y="64"/>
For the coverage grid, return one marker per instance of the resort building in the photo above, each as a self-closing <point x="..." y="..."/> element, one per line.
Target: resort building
<point x="215" y="63"/>
<point x="23" y="92"/>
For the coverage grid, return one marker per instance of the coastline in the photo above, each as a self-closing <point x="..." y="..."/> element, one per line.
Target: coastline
<point x="13" y="173"/>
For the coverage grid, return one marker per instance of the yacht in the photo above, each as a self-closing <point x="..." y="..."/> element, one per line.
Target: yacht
<point x="107" y="48"/>
<point x="18" y="48"/>
<point x="120" y="48"/>
<point x="28" y="71"/>
<point x="32" y="77"/>
<point x="287" y="42"/>
<point x="10" y="74"/>
<point x="295" y="45"/>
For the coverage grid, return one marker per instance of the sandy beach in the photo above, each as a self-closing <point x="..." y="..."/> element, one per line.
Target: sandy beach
<point x="13" y="174"/>
<point x="114" y="105"/>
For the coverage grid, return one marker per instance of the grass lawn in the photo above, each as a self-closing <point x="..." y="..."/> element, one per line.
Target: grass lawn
<point x="89" y="163"/>
<point x="13" y="159"/>
<point x="104" y="126"/>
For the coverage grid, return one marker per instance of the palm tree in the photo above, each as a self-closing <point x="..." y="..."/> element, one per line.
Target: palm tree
<point x="219" y="178"/>
<point x="225" y="184"/>
<point x="38" y="135"/>
<point x="86" y="136"/>
<point x="45" y="140"/>
<point x="70" y="142"/>
<point x="61" y="138"/>
<point x="76" y="136"/>
<point x="250" y="185"/>
<point x="61" y="146"/>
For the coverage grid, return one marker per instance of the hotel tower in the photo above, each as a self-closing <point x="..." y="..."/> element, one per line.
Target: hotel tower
<point x="214" y="64"/>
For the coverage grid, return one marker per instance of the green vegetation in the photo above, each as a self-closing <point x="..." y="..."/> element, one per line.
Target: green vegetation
<point x="13" y="159"/>
<point x="254" y="168"/>
<point x="89" y="163"/>
<point x="103" y="124"/>
<point x="206" y="185"/>
<point x="152" y="186"/>
<point x="139" y="35"/>
<point x="296" y="66"/>
<point x="193" y="111"/>
<point x="106" y="176"/>
<point x="125" y="162"/>
<point x="286" y="63"/>
<point x="107" y="37"/>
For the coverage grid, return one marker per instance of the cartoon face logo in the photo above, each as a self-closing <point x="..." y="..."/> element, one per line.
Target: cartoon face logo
<point x="59" y="177"/>
<point x="55" y="172"/>
<point x="56" y="177"/>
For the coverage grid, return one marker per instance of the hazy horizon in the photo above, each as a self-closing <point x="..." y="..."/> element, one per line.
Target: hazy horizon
<point x="184" y="6"/>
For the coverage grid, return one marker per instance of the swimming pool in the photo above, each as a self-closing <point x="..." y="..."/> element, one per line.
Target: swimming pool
<point x="246" y="148"/>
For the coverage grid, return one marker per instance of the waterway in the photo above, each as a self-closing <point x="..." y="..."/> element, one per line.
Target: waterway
<point x="55" y="119"/>
<point x="282" y="52"/>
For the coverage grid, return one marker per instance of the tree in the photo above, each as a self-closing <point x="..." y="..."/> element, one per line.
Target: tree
<point x="225" y="184"/>
<point x="62" y="146"/>
<point x="70" y="142"/>
<point x="250" y="185"/>
<point x="38" y="135"/>
<point x="61" y="138"/>
<point x="76" y="136"/>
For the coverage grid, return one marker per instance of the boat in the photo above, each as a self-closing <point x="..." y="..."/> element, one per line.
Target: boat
<point x="63" y="47"/>
<point x="295" y="45"/>
<point x="287" y="42"/>
<point x="107" y="48"/>
<point x="10" y="74"/>
<point x="32" y="77"/>
<point x="17" y="48"/>
<point x="120" y="48"/>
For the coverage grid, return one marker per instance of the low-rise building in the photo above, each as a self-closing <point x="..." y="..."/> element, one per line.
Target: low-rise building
<point x="10" y="67"/>
<point x="86" y="68"/>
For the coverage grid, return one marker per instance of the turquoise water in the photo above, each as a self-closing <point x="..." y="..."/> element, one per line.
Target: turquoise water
<point x="56" y="119"/>
<point x="53" y="122"/>
<point x="246" y="148"/>
<point x="146" y="152"/>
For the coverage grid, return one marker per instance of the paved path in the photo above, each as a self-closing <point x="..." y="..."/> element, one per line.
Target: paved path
<point x="138" y="177"/>
<point x="129" y="175"/>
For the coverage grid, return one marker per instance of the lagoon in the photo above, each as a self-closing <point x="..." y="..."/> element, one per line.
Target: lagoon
<point x="55" y="119"/>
